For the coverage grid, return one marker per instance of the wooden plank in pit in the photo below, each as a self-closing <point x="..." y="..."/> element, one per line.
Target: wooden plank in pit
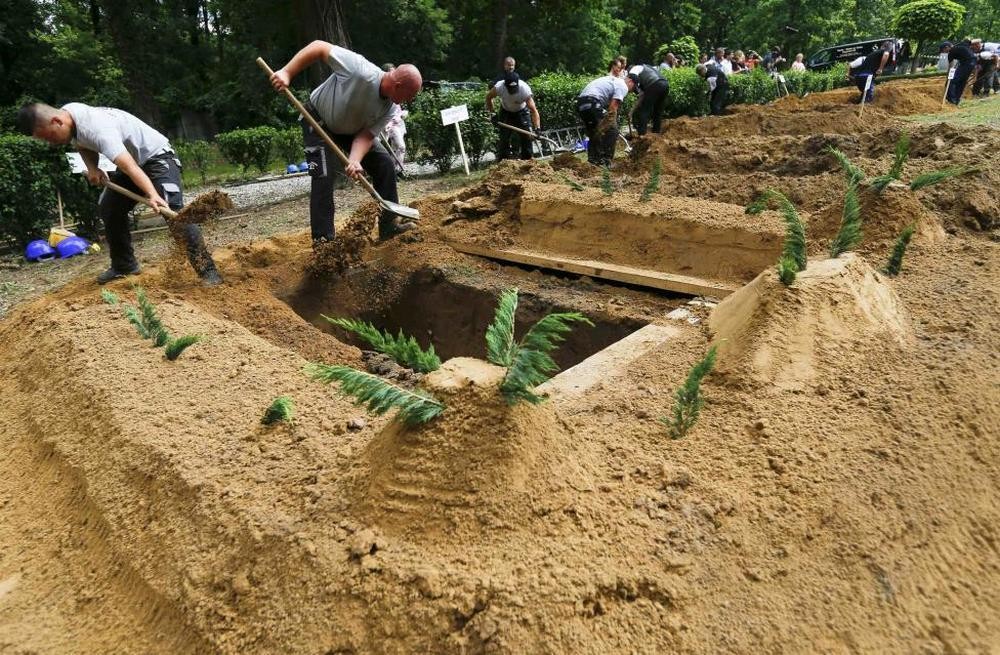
<point x="639" y="276"/>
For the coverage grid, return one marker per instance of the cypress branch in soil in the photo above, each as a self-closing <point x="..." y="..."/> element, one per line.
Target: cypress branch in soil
<point x="895" y="263"/>
<point x="688" y="400"/>
<point x="653" y="185"/>
<point x="606" y="186"/>
<point x="850" y="224"/>
<point x="177" y="346"/>
<point x="404" y="350"/>
<point x="500" y="343"/>
<point x="281" y="408"/>
<point x="532" y="364"/>
<point x="378" y="395"/>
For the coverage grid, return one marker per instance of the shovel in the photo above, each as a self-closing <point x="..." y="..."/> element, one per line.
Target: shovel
<point x="555" y="146"/>
<point x="394" y="207"/>
<point x="163" y="211"/>
<point x="864" y="94"/>
<point x="388" y="147"/>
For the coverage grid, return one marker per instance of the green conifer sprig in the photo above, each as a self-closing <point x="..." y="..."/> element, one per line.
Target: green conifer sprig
<point x="532" y="364"/>
<point x="900" y="156"/>
<point x="109" y="297"/>
<point x="927" y="179"/>
<point x="281" y="408"/>
<point x="606" y="186"/>
<point x="854" y="174"/>
<point x="150" y="320"/>
<point x="688" y="400"/>
<point x="850" y="224"/>
<point x="653" y="185"/>
<point x="404" y="350"/>
<point x="500" y="344"/>
<point x="378" y="395"/>
<point x="176" y="346"/>
<point x="787" y="268"/>
<point x="135" y="318"/>
<point x="895" y="263"/>
<point x="573" y="184"/>
<point x="881" y="182"/>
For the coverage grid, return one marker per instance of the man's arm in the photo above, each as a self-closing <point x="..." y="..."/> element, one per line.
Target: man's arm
<point x="307" y="56"/>
<point x="492" y="93"/>
<point x="128" y="165"/>
<point x="94" y="173"/>
<point x="536" y="120"/>
<point x="881" y="64"/>
<point x="359" y="148"/>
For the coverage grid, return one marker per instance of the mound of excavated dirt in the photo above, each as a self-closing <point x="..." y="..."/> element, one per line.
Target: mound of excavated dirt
<point x="753" y="120"/>
<point x="480" y="463"/>
<point x="785" y="336"/>
<point x="206" y="206"/>
<point x="883" y="215"/>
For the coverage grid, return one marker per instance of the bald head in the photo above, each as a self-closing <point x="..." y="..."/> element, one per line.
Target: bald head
<point x="402" y="83"/>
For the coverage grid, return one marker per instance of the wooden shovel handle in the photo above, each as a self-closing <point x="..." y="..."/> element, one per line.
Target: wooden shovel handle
<point x="168" y="213"/>
<point x="319" y="128"/>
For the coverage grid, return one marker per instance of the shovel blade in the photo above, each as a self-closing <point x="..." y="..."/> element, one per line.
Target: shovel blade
<point x="400" y="210"/>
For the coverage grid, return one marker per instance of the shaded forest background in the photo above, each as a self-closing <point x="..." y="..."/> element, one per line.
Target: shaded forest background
<point x="190" y="63"/>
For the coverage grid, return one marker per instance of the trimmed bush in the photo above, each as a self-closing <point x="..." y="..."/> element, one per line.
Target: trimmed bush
<point x="288" y="146"/>
<point x="246" y="148"/>
<point x="195" y="155"/>
<point x="30" y="174"/>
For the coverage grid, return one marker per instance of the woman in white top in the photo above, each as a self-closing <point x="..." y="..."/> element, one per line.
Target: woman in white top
<point x="797" y="65"/>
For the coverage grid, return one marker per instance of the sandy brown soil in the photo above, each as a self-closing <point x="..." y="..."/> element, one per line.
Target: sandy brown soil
<point x="838" y="494"/>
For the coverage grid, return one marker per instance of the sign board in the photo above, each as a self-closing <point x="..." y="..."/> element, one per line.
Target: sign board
<point x="454" y="114"/>
<point x="781" y="78"/>
<point x="77" y="166"/>
<point x="951" y="73"/>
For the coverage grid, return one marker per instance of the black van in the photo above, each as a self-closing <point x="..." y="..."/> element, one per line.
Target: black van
<point x="846" y="52"/>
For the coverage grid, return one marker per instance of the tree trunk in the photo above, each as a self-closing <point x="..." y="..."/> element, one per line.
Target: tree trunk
<point x="134" y="47"/>
<point x="95" y="17"/>
<point x="323" y="20"/>
<point x="501" y="17"/>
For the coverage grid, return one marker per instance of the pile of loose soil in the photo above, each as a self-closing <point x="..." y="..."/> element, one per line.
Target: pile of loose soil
<point x="347" y="249"/>
<point x="206" y="206"/>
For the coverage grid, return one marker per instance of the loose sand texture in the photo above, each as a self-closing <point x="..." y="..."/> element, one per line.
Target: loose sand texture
<point x="838" y="494"/>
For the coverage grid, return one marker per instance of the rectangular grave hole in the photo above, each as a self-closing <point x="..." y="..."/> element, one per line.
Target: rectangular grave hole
<point x="451" y="315"/>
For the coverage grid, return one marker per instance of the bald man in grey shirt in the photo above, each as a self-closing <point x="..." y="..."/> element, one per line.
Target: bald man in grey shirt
<point x="353" y="105"/>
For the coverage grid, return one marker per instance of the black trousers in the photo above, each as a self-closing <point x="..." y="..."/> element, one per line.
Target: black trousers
<point x="377" y="163"/>
<point x="984" y="80"/>
<point x="602" y="132"/>
<point x="521" y="119"/>
<point x="957" y="86"/>
<point x="164" y="172"/>
<point x="860" y="81"/>
<point x="717" y="101"/>
<point x="653" y="100"/>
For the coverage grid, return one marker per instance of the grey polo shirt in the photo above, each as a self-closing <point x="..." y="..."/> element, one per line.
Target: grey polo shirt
<point x="349" y="101"/>
<point x="605" y="89"/>
<point x="111" y="132"/>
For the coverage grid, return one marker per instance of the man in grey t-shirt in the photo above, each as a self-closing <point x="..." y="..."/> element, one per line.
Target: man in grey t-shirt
<point x="517" y="108"/>
<point x="598" y="108"/>
<point x="354" y="105"/>
<point x="146" y="165"/>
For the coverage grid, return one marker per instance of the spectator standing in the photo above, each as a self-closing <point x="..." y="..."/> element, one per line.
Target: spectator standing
<point x="773" y="59"/>
<point x="739" y="62"/>
<point x="597" y="106"/>
<point x="718" y="87"/>
<point x="669" y="62"/>
<point x="965" y="57"/>
<point x="721" y="62"/>
<point x="798" y="64"/>
<point x="395" y="131"/>
<point x="652" y="89"/>
<point x="516" y="103"/>
<point x="987" y="66"/>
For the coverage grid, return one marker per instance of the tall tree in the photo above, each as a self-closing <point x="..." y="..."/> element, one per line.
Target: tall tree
<point x="650" y="24"/>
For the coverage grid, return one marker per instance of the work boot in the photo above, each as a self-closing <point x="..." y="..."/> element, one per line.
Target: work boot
<point x="211" y="278"/>
<point x="113" y="274"/>
<point x="396" y="228"/>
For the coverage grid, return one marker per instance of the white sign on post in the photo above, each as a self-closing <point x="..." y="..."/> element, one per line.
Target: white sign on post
<point x="455" y="115"/>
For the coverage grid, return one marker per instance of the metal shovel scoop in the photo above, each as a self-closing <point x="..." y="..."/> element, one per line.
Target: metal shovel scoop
<point x="394" y="207"/>
<point x="555" y="146"/>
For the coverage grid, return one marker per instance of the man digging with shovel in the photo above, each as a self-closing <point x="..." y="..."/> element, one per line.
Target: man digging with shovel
<point x="354" y="104"/>
<point x="146" y="164"/>
<point x="516" y="104"/>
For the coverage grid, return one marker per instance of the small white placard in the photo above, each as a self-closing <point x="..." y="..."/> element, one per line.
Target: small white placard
<point x="781" y="78"/>
<point x="77" y="166"/>
<point x="951" y="73"/>
<point x="454" y="114"/>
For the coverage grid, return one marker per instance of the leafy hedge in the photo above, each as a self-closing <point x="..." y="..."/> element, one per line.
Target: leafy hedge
<point x="250" y="147"/>
<point x="30" y="174"/>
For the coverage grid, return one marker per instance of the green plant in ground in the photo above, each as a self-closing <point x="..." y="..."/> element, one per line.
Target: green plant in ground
<point x="528" y="362"/>
<point x="653" y="185"/>
<point x="926" y="21"/>
<point x="379" y="396"/>
<point x="794" y="247"/>
<point x="927" y="179"/>
<point x="606" y="186"/>
<point x="251" y="147"/>
<point x="895" y="262"/>
<point x="787" y="269"/>
<point x="196" y="155"/>
<point x="109" y="297"/>
<point x="150" y="321"/>
<point x="500" y="344"/>
<point x="854" y="174"/>
<point x="288" y="145"/>
<point x="850" y="224"/>
<point x="898" y="161"/>
<point x="176" y="346"/>
<point x="281" y="409"/>
<point x="573" y="184"/>
<point x="687" y="400"/>
<point x="404" y="350"/>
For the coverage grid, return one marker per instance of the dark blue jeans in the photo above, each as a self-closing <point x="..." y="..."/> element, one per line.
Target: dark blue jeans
<point x="860" y="80"/>
<point x="957" y="86"/>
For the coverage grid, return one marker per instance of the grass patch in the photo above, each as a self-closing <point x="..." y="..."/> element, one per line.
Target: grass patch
<point x="976" y="112"/>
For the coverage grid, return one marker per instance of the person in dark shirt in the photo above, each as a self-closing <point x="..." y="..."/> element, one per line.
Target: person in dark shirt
<point x="965" y="56"/>
<point x="718" y="87"/>
<point x="870" y="68"/>
<point x="652" y="89"/>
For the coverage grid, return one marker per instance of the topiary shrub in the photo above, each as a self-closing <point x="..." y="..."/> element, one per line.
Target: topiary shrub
<point x="288" y="146"/>
<point x="195" y="155"/>
<point x="246" y="148"/>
